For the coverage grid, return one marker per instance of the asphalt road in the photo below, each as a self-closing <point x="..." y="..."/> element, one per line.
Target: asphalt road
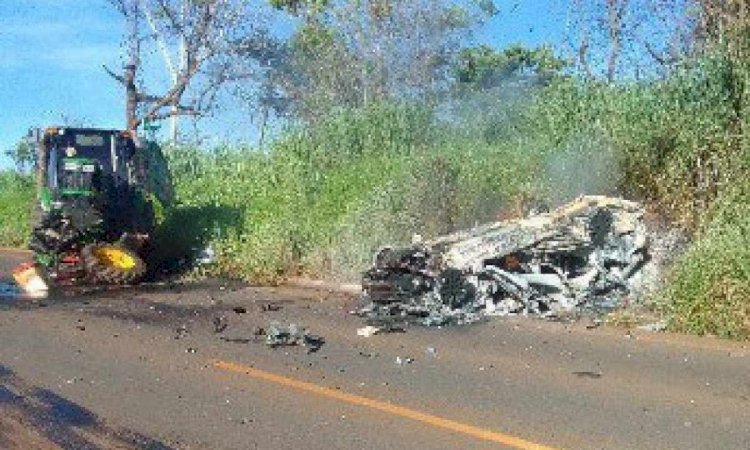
<point x="145" y="368"/>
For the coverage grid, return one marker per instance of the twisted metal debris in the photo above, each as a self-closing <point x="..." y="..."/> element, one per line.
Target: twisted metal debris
<point x="581" y="256"/>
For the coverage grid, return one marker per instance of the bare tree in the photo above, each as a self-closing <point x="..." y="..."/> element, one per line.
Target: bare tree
<point x="617" y="11"/>
<point x="207" y="37"/>
<point x="610" y="37"/>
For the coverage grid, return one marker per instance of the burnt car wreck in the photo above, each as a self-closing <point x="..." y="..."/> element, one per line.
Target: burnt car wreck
<point x="581" y="256"/>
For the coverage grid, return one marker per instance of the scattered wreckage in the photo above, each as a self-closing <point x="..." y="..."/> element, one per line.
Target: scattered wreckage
<point x="583" y="255"/>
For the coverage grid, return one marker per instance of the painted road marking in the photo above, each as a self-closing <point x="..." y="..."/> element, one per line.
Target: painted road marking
<point x="401" y="411"/>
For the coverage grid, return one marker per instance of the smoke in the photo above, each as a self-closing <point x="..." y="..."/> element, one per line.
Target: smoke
<point x="586" y="165"/>
<point x="492" y="107"/>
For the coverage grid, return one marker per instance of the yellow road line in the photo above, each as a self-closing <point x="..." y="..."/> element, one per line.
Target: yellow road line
<point x="429" y="419"/>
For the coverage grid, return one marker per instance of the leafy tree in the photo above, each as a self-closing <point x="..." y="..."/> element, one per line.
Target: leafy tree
<point x="358" y="52"/>
<point x="300" y="7"/>
<point x="722" y="33"/>
<point x="485" y="67"/>
<point x="23" y="155"/>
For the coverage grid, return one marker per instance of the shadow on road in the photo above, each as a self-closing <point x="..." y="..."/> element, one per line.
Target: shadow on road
<point x="58" y="420"/>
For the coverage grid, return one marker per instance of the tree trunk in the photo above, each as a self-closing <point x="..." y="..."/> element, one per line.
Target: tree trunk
<point x="615" y="12"/>
<point x="131" y="68"/>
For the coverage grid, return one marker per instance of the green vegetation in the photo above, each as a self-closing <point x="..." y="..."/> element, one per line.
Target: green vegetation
<point x="710" y="291"/>
<point x="16" y="193"/>
<point x="324" y="198"/>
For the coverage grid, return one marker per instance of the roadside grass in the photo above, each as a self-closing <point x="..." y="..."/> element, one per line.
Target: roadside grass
<point x="16" y="194"/>
<point x="710" y="289"/>
<point x="322" y="200"/>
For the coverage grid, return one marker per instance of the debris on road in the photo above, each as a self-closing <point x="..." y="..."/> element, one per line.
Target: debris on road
<point x="655" y="327"/>
<point x="30" y="280"/>
<point x="579" y="257"/>
<point x="270" y="307"/>
<point x="181" y="332"/>
<point x="278" y="335"/>
<point x="588" y="374"/>
<point x="313" y="342"/>
<point x="220" y="324"/>
<point x="368" y="331"/>
<point x="401" y="361"/>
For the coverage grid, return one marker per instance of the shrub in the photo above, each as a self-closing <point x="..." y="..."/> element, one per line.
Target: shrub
<point x="710" y="288"/>
<point x="16" y="194"/>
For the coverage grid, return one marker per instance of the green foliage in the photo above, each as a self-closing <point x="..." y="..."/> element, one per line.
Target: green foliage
<point x="325" y="198"/>
<point x="676" y="143"/>
<point x="23" y="156"/>
<point x="312" y="38"/>
<point x="297" y="6"/>
<point x="488" y="7"/>
<point x="16" y="195"/>
<point x="710" y="290"/>
<point x="483" y="65"/>
<point x="370" y="170"/>
<point x="353" y="54"/>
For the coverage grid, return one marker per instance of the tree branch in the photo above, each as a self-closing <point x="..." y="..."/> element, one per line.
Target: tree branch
<point x="119" y="78"/>
<point x="659" y="57"/>
<point x="180" y="111"/>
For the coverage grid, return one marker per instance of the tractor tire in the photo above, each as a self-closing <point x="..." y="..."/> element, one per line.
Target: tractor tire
<point x="112" y="264"/>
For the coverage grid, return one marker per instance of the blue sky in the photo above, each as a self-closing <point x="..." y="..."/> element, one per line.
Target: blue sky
<point x="52" y="52"/>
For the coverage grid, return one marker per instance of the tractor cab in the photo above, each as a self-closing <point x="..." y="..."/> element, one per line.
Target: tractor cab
<point x="77" y="162"/>
<point x="95" y="202"/>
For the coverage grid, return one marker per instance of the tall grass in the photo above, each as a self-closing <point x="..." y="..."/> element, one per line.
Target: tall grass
<point x="675" y="140"/>
<point x="16" y="193"/>
<point x="710" y="289"/>
<point x="681" y="145"/>
<point x="323" y="199"/>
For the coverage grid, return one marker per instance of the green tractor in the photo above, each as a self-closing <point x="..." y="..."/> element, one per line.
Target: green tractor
<point x="99" y="193"/>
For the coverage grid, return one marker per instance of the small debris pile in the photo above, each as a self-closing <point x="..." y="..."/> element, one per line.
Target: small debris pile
<point x="581" y="256"/>
<point x="280" y="336"/>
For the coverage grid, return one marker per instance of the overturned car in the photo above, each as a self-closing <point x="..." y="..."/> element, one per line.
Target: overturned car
<point x="582" y="255"/>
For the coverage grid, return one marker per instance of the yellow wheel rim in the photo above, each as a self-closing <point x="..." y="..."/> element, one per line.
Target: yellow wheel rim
<point x="114" y="257"/>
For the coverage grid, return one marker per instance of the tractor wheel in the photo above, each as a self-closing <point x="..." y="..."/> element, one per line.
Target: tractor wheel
<point x="112" y="264"/>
